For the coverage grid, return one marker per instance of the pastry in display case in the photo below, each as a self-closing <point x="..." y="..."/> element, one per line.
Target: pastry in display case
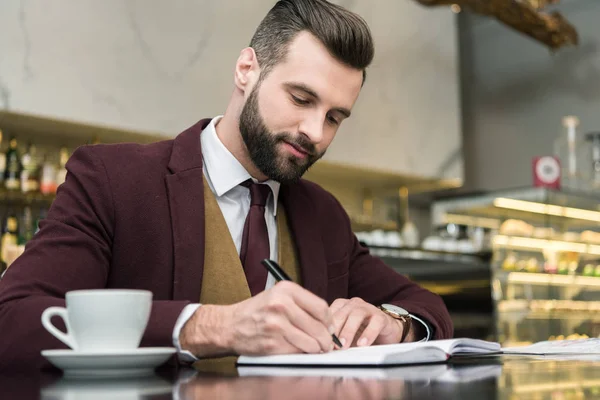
<point x="545" y="266"/>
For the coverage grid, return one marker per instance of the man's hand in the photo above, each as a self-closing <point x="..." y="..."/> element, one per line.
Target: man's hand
<point x="359" y="323"/>
<point x="284" y="319"/>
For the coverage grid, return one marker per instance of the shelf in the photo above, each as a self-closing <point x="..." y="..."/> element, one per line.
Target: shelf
<point x="45" y="130"/>
<point x="530" y="278"/>
<point x="526" y="243"/>
<point x="429" y="255"/>
<point x="328" y="173"/>
<point x="18" y="198"/>
<point x="551" y="309"/>
<point x="540" y="206"/>
<point x="365" y="224"/>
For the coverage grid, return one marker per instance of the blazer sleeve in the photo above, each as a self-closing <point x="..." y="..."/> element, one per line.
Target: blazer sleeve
<point x="376" y="283"/>
<point x="373" y="281"/>
<point x="71" y="251"/>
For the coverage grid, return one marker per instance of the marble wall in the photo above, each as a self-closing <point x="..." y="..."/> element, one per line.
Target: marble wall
<point x="158" y="66"/>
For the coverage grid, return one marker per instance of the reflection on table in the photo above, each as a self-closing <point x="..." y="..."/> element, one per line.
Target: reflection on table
<point x="477" y="378"/>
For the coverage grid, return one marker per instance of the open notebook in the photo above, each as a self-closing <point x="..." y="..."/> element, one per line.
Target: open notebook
<point x="434" y="351"/>
<point x="586" y="347"/>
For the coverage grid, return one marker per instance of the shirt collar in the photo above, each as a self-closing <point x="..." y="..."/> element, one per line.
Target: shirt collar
<point x="223" y="171"/>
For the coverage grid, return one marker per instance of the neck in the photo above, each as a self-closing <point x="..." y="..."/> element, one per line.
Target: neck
<point x="228" y="131"/>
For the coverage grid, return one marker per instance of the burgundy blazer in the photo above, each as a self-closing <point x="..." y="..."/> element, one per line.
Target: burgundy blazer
<point x="132" y="216"/>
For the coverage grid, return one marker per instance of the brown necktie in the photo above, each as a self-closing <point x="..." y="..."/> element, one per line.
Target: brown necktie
<point x="255" y="239"/>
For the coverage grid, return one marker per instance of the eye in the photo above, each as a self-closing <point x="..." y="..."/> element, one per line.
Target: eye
<point x="332" y="120"/>
<point x="299" y="101"/>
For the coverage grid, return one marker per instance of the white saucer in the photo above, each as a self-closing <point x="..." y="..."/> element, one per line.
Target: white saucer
<point x="109" y="364"/>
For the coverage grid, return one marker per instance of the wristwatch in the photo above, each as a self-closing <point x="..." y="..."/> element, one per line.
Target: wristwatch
<point x="400" y="314"/>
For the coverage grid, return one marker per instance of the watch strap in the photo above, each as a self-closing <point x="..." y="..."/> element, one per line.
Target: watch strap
<point x="406" y="325"/>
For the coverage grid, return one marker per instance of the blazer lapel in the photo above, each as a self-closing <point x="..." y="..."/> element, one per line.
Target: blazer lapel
<point x="186" y="204"/>
<point x="302" y="222"/>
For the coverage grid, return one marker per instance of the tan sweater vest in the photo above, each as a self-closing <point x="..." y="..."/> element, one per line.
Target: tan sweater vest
<point x="223" y="279"/>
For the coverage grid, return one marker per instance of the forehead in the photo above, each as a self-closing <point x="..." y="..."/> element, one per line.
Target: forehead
<point x="308" y="62"/>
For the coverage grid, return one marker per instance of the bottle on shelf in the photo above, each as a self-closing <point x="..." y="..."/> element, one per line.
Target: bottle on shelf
<point x="8" y="242"/>
<point x="567" y="147"/>
<point x="12" y="173"/>
<point x="48" y="177"/>
<point x="30" y="173"/>
<point x="26" y="226"/>
<point x="593" y="158"/>
<point x="2" y="157"/>
<point x="61" y="174"/>
<point x="409" y="232"/>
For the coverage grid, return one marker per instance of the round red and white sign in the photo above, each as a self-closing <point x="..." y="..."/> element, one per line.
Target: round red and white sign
<point x="547" y="170"/>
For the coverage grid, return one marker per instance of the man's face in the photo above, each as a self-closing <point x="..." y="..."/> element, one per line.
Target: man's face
<point x="290" y="117"/>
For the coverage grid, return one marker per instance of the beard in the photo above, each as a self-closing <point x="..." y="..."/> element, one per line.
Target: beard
<point x="262" y="145"/>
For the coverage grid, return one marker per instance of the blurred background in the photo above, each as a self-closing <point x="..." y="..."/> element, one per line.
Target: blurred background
<point x="471" y="162"/>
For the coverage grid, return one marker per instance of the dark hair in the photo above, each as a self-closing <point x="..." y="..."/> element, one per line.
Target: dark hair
<point x="345" y="34"/>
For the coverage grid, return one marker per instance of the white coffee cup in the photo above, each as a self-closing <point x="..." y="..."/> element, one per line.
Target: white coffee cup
<point x="102" y="320"/>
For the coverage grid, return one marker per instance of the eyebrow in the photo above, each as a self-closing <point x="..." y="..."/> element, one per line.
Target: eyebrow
<point x="307" y="90"/>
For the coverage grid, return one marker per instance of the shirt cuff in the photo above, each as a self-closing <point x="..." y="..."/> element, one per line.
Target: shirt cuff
<point x="184" y="355"/>
<point x="428" y="331"/>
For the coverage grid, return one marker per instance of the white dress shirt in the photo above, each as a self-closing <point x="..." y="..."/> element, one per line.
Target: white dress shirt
<point x="224" y="173"/>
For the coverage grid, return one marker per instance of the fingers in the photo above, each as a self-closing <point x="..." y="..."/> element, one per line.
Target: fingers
<point x="313" y="328"/>
<point x="309" y="302"/>
<point x="306" y="343"/>
<point x="357" y="322"/>
<point x="354" y="321"/>
<point x="376" y="324"/>
<point x="282" y="337"/>
<point x="340" y="315"/>
<point x="348" y="319"/>
<point x="297" y="310"/>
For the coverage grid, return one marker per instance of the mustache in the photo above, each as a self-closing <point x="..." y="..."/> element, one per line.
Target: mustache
<point x="298" y="141"/>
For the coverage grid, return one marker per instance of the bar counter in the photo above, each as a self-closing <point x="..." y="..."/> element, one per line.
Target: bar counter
<point x="484" y="378"/>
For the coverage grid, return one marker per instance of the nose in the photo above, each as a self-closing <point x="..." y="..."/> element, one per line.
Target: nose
<point x="312" y="128"/>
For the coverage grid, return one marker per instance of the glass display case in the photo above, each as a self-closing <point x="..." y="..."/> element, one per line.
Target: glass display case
<point x="545" y="267"/>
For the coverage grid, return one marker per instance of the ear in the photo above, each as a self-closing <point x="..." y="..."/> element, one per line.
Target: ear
<point x="247" y="70"/>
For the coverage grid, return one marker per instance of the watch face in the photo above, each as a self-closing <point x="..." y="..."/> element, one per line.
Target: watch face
<point x="395" y="309"/>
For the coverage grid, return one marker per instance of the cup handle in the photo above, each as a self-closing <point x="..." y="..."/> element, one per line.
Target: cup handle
<point x="66" y="338"/>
